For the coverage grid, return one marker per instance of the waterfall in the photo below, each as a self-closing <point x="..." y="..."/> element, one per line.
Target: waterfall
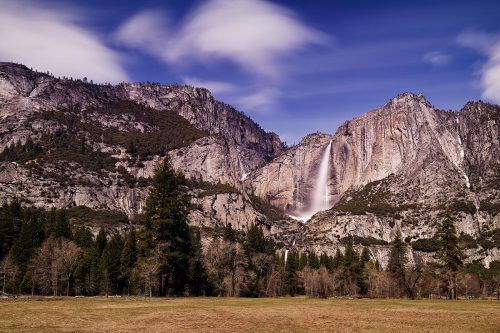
<point x="320" y="196"/>
<point x="320" y="199"/>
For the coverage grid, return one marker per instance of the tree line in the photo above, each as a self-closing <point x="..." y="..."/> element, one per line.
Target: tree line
<point x="40" y="253"/>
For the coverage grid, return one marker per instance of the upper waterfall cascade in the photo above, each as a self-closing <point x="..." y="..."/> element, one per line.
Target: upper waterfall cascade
<point x="320" y="199"/>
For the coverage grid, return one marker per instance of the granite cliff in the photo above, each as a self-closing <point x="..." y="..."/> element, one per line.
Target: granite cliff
<point x="402" y="167"/>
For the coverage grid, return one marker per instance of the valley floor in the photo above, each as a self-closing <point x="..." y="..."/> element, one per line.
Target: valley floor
<point x="246" y="315"/>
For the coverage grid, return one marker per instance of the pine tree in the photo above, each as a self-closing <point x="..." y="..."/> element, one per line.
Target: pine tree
<point x="302" y="261"/>
<point x="62" y="228"/>
<point x="255" y="241"/>
<point x="312" y="260"/>
<point x="326" y="261"/>
<point x="398" y="262"/>
<point x="197" y="272"/>
<point x="50" y="227"/>
<point x="132" y="148"/>
<point x="449" y="255"/>
<point x="291" y="280"/>
<point x="229" y="235"/>
<point x="351" y="269"/>
<point x="365" y="256"/>
<point x="111" y="264"/>
<point x="10" y="225"/>
<point x="166" y="210"/>
<point x="83" y="237"/>
<point x="129" y="258"/>
<point x="258" y="253"/>
<point x="338" y="260"/>
<point x="88" y="272"/>
<point x="101" y="241"/>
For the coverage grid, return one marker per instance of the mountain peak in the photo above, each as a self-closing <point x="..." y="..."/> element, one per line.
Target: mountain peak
<point x="408" y="97"/>
<point x="11" y="68"/>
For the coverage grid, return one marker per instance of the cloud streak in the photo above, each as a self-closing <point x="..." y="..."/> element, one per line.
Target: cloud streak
<point x="254" y="34"/>
<point x="216" y="87"/>
<point x="437" y="59"/>
<point x="48" y="39"/>
<point x="262" y="101"/>
<point x="488" y="45"/>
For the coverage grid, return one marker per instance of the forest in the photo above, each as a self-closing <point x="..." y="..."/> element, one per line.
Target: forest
<point x="43" y="253"/>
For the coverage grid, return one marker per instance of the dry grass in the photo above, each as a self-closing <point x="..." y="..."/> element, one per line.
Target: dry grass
<point x="247" y="315"/>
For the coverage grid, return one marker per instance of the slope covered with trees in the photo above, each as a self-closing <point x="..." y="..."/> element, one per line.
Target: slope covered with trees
<point x="43" y="253"/>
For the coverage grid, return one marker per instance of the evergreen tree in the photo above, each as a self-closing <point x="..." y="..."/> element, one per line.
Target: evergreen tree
<point x="338" y="260"/>
<point x="10" y="225"/>
<point x="255" y="240"/>
<point x="326" y="261"/>
<point x="312" y="260"/>
<point x="229" y="235"/>
<point x="258" y="253"/>
<point x="83" y="237"/>
<point x="88" y="272"/>
<point x="291" y="280"/>
<point x="197" y="271"/>
<point x="101" y="241"/>
<point x="351" y="272"/>
<point x="50" y="227"/>
<point x="129" y="258"/>
<point x="111" y="265"/>
<point x="62" y="229"/>
<point x="30" y="238"/>
<point x="397" y="262"/>
<point x="365" y="256"/>
<point x="449" y="255"/>
<point x="302" y="261"/>
<point x="166" y="210"/>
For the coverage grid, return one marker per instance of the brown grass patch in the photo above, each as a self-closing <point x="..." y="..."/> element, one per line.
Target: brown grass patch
<point x="247" y="315"/>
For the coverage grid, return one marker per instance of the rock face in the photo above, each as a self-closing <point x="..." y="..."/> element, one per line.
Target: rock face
<point x="287" y="181"/>
<point x="403" y="167"/>
<point x="34" y="105"/>
<point x="368" y="148"/>
<point x="223" y="209"/>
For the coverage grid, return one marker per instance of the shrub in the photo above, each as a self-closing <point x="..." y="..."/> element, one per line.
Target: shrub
<point x="84" y="215"/>
<point x="426" y="244"/>
<point x="490" y="207"/>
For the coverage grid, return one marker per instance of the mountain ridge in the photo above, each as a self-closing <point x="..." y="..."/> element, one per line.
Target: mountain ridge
<point x="387" y="166"/>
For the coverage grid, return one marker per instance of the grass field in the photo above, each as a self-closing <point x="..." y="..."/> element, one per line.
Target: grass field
<point x="247" y="315"/>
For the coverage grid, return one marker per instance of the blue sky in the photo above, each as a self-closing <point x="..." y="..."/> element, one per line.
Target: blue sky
<point x="295" y="67"/>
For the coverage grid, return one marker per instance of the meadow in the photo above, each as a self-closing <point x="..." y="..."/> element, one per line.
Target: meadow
<point x="246" y="315"/>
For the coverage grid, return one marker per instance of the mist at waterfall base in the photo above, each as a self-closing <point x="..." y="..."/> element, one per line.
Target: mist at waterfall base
<point x="320" y="199"/>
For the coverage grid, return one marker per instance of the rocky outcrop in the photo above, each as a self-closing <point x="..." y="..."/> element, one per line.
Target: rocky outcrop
<point x="403" y="167"/>
<point x="199" y="107"/>
<point x="34" y="105"/>
<point x="223" y="209"/>
<point x="23" y="92"/>
<point x="287" y="181"/>
<point x="81" y="189"/>
<point x="368" y="148"/>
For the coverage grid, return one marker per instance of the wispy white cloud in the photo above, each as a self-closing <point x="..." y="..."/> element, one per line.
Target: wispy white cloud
<point x="253" y="34"/>
<point x="216" y="87"/>
<point x="262" y="101"/>
<point x="489" y="45"/>
<point x="252" y="99"/>
<point x="147" y="30"/>
<point x="50" y="39"/>
<point x="436" y="58"/>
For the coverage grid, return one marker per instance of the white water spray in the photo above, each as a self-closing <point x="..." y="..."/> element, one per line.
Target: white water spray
<point x="320" y="199"/>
